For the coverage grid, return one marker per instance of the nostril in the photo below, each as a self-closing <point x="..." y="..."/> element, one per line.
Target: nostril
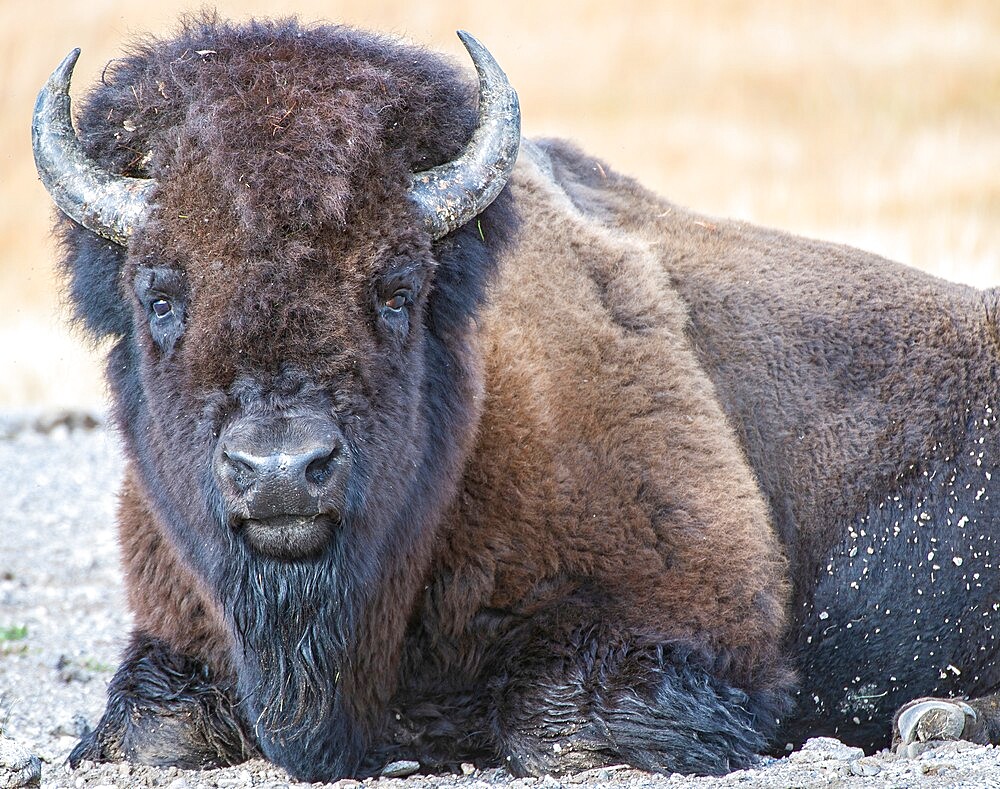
<point x="240" y="461"/>
<point x="241" y="468"/>
<point x="320" y="468"/>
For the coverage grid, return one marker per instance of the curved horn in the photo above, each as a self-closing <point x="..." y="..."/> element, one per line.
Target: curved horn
<point x="451" y="194"/>
<point x="110" y="205"/>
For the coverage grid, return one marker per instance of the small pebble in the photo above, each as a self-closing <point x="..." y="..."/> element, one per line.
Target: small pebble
<point x="65" y="728"/>
<point x="865" y="766"/>
<point x="468" y="769"/>
<point x="400" y="769"/>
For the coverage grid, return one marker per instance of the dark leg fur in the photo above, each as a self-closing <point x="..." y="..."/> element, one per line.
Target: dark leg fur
<point x="655" y="708"/>
<point x="166" y="710"/>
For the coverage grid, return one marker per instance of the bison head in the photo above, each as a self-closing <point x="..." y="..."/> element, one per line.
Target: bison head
<point x="274" y="223"/>
<point x="275" y="265"/>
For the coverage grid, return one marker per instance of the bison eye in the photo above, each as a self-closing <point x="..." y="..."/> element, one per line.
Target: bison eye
<point x="160" y="297"/>
<point x="398" y="300"/>
<point x="162" y="308"/>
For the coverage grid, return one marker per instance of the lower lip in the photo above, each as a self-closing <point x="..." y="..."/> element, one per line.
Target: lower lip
<point x="289" y="536"/>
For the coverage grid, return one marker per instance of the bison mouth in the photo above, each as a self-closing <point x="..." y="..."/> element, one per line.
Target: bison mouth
<point x="289" y="536"/>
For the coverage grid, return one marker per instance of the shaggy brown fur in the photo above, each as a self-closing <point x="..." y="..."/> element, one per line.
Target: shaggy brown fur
<point x="617" y="441"/>
<point x="864" y="395"/>
<point x="603" y="464"/>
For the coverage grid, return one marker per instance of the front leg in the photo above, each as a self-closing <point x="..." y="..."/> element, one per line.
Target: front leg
<point x="165" y="709"/>
<point x="922" y="723"/>
<point x="658" y="708"/>
<point x="169" y="702"/>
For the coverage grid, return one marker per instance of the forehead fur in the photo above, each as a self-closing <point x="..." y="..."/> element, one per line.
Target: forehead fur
<point x="282" y="156"/>
<point x="275" y="129"/>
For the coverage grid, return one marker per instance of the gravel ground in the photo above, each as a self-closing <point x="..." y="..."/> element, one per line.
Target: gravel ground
<point x="63" y="622"/>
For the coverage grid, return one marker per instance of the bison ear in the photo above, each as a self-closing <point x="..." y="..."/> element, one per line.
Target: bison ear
<point x="93" y="267"/>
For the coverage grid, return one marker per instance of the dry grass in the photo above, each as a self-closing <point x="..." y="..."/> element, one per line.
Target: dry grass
<point x="874" y="124"/>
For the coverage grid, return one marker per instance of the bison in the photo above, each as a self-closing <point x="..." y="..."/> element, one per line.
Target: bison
<point x="448" y="445"/>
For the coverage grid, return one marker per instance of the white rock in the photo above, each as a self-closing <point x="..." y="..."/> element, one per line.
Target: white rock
<point x="820" y="749"/>
<point x="18" y="767"/>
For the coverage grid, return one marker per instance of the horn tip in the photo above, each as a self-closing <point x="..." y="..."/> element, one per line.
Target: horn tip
<point x="64" y="71"/>
<point x="70" y="59"/>
<point x="468" y="40"/>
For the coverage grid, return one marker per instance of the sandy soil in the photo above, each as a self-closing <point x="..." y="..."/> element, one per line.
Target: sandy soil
<point x="63" y="622"/>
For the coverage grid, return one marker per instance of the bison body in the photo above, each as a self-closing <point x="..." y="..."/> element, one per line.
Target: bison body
<point x="578" y="478"/>
<point x="864" y="395"/>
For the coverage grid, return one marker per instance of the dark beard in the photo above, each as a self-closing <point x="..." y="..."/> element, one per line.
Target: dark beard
<point x="293" y="626"/>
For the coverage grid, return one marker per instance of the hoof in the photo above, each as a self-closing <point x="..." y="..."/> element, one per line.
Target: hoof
<point x="930" y="720"/>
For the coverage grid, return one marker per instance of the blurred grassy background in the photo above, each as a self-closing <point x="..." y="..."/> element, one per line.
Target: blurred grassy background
<point x="876" y="124"/>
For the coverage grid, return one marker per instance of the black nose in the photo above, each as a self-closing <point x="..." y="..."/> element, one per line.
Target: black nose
<point x="303" y="467"/>
<point x="283" y="466"/>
